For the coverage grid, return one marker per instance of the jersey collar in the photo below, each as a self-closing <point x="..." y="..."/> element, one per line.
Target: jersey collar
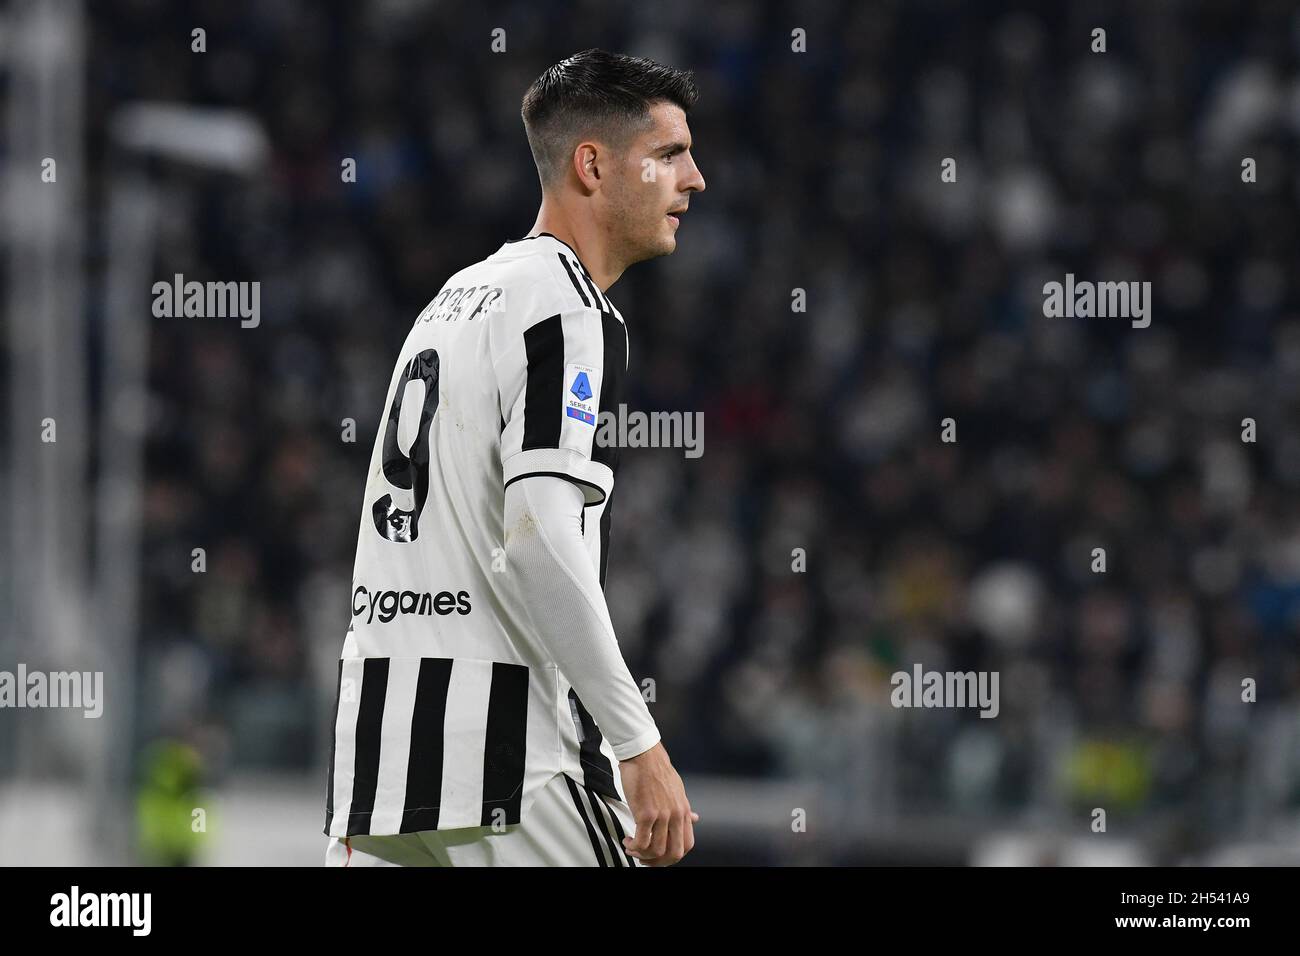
<point x="556" y="238"/>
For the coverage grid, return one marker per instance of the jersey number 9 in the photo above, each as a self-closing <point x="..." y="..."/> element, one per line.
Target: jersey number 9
<point x="410" y="472"/>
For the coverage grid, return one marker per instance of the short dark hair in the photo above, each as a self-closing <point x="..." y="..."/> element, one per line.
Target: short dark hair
<point x="608" y="94"/>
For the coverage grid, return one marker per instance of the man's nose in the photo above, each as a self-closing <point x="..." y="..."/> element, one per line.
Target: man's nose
<point x="696" y="180"/>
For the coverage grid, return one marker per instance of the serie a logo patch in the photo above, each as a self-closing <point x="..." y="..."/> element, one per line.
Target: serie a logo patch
<point x="581" y="393"/>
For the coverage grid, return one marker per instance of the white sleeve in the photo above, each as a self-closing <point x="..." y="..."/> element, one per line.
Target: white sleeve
<point x="561" y="587"/>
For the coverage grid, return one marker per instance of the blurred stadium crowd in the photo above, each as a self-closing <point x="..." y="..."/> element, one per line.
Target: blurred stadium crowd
<point x="1120" y="689"/>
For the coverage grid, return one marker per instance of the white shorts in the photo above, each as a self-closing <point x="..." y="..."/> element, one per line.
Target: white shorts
<point x="568" y="824"/>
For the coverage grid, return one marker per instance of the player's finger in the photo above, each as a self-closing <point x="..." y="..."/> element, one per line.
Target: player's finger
<point x="639" y="841"/>
<point x="646" y="856"/>
<point x="641" y="851"/>
<point x="677" y="838"/>
<point x="672" y="847"/>
<point x="659" y="839"/>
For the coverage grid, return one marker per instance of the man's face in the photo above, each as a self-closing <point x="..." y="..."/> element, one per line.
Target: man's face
<point x="651" y="186"/>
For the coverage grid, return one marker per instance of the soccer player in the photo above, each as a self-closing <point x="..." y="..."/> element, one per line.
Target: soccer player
<point x="485" y="714"/>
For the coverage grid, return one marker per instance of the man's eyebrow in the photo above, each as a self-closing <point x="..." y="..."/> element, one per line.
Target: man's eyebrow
<point x="674" y="147"/>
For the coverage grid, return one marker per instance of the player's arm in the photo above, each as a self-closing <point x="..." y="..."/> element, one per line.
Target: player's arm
<point x="554" y="571"/>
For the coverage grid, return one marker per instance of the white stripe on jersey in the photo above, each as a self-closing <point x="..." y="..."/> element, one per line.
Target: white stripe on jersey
<point x="465" y="730"/>
<point x="399" y="704"/>
<point x="345" y="741"/>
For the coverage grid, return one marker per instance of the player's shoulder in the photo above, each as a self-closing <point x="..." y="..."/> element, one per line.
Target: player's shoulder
<point x="543" y="277"/>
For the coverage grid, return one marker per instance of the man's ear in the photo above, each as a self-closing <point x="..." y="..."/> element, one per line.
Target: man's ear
<point x="586" y="163"/>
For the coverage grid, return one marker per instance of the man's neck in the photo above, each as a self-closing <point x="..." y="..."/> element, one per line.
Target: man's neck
<point x="585" y="242"/>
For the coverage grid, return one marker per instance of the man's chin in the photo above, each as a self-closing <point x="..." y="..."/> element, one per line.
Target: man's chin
<point x="664" y="246"/>
<point x="667" y="245"/>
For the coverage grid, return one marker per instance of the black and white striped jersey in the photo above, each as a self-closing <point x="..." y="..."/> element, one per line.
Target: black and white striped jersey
<point x="449" y="711"/>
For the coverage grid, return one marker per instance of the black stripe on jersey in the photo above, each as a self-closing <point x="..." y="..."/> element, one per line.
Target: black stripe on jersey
<point x="605" y="523"/>
<point x="597" y="772"/>
<point x="577" y="285"/>
<point x="544" y="391"/>
<point x="424" y="762"/>
<point x="596" y="293"/>
<point x="370" y="722"/>
<point x="598" y="807"/>
<point x="601" y="302"/>
<point x="618" y="828"/>
<point x="611" y="383"/>
<point x="506" y="742"/>
<point x="586" y="822"/>
<point x="329" y="785"/>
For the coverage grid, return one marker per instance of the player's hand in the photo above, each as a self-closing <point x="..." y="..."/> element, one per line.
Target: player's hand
<point x="664" y="819"/>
